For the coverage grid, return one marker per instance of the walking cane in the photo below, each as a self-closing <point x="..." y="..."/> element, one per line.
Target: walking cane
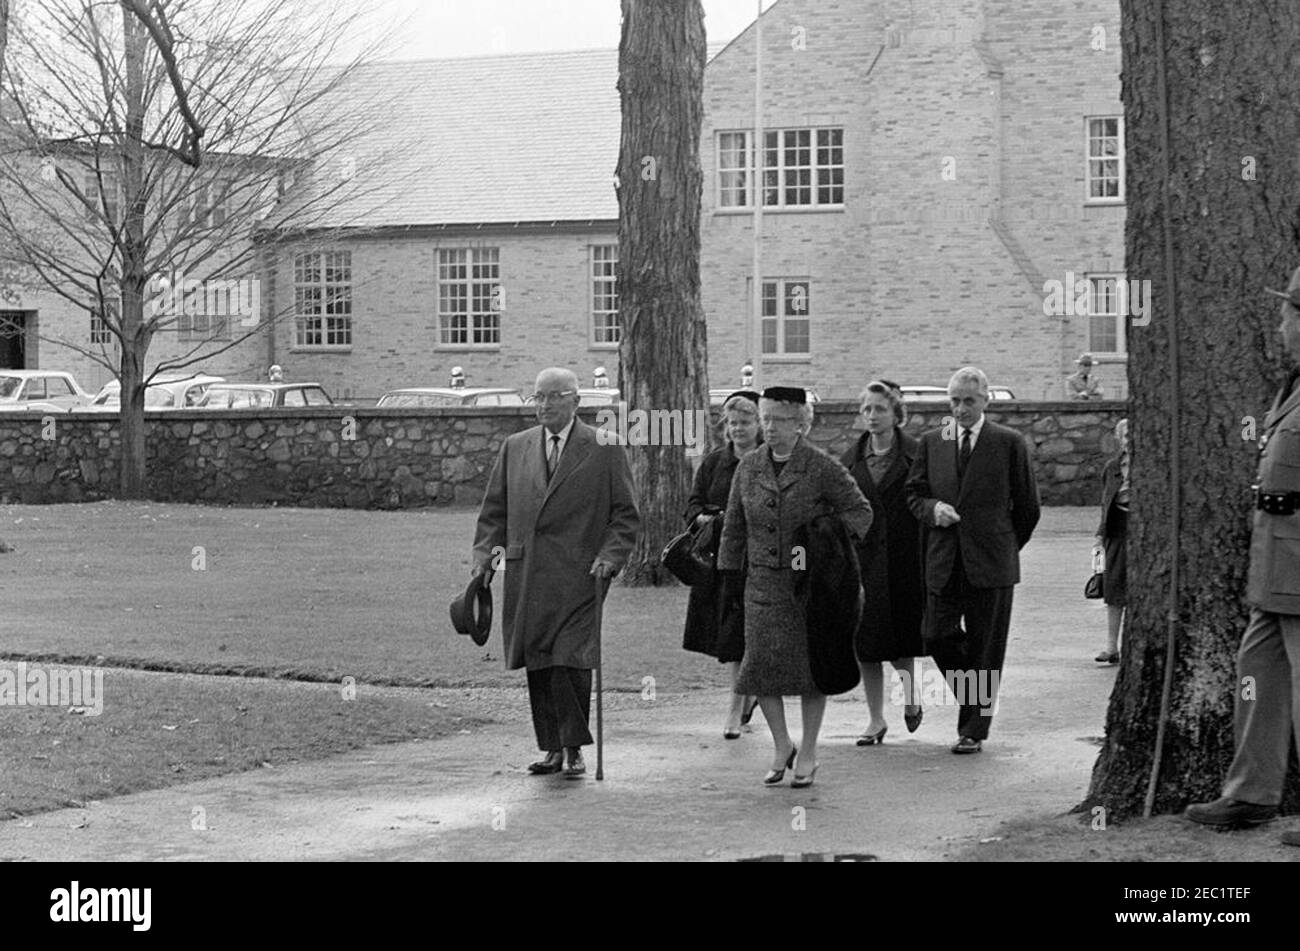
<point x="600" y="687"/>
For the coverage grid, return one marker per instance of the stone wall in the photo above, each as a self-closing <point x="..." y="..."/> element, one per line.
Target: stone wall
<point x="1069" y="442"/>
<point x="373" y="458"/>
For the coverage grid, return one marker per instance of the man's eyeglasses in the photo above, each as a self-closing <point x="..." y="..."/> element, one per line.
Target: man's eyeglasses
<point x="552" y="397"/>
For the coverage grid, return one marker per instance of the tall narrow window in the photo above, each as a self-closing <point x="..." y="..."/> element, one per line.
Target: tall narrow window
<point x="1106" y="159"/>
<point x="605" y="329"/>
<point x="322" y="297"/>
<point x="99" y="332"/>
<point x="469" y="297"/>
<point x="786" y="318"/>
<point x="1106" y="324"/>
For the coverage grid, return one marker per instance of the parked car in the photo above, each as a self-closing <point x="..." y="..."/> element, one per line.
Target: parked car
<point x="591" y="396"/>
<point x="166" y="391"/>
<point x="420" y="396"/>
<point x="719" y="396"/>
<point x="939" y="394"/>
<point x="597" y="396"/>
<point x="264" y="396"/>
<point x="40" y="391"/>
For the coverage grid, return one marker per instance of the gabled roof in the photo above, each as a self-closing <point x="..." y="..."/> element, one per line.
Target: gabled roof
<point x="491" y="139"/>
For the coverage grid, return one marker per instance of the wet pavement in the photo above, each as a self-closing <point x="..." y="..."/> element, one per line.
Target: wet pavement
<point x="673" y="787"/>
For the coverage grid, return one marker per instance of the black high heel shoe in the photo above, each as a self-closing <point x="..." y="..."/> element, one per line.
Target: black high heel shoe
<point x="913" y="722"/>
<point x="749" y="711"/>
<point x="774" y="776"/>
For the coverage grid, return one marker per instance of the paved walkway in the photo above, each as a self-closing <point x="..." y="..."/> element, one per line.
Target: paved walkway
<point x="674" y="789"/>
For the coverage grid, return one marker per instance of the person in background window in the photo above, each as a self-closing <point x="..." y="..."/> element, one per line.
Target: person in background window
<point x="1112" y="533"/>
<point x="1081" y="384"/>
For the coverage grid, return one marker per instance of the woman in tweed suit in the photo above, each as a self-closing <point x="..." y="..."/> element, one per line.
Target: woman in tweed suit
<point x="776" y="489"/>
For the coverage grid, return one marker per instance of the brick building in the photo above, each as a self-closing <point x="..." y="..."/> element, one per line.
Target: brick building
<point x="486" y="235"/>
<point x="927" y="170"/>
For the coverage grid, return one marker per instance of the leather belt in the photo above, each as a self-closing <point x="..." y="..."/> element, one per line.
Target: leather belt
<point x="1277" y="503"/>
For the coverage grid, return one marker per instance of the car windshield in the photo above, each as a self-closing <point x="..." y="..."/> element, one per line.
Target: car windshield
<point x="237" y="398"/>
<point x="9" y="385"/>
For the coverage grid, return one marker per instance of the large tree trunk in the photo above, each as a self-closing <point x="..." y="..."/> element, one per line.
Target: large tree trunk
<point x="664" y="350"/>
<point x="1233" y="119"/>
<point x="135" y="333"/>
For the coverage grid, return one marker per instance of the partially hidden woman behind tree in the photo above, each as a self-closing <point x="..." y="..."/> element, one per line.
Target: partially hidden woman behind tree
<point x="779" y="489"/>
<point x="1112" y="536"/>
<point x="889" y="558"/>
<point x="715" y="614"/>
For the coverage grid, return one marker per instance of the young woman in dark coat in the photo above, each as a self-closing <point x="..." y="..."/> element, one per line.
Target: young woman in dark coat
<point x="715" y="619"/>
<point x="889" y="558"/>
<point x="1112" y="537"/>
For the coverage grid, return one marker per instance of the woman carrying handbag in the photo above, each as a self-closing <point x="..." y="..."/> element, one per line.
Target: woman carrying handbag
<point x="715" y="620"/>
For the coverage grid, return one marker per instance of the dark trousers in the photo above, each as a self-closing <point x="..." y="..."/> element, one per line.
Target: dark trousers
<point x="561" y="702"/>
<point x="969" y="655"/>
<point x="1267" y="718"/>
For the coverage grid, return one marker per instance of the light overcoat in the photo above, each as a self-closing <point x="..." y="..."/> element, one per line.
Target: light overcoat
<point x="546" y="537"/>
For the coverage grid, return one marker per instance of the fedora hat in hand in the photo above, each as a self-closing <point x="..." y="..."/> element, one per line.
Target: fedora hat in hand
<point x="464" y="616"/>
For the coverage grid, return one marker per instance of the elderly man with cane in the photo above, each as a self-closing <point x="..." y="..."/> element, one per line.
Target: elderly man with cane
<point x="558" y="513"/>
<point x="1267" y="713"/>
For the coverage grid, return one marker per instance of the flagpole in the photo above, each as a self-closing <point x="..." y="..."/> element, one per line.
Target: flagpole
<point x="755" y="335"/>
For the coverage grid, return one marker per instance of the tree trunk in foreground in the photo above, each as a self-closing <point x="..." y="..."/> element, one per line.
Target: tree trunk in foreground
<point x="1233" y="115"/>
<point x="663" y="350"/>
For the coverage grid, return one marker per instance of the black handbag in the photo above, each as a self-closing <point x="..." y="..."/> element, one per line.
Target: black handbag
<point x="1093" y="589"/>
<point x="692" y="555"/>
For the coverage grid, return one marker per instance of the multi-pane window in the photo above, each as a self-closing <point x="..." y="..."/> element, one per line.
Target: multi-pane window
<point x="1106" y="158"/>
<point x="99" y="332"/>
<point x="1106" y="314"/>
<point x="802" y="168"/>
<point x="469" y="297"/>
<point x="785" y="317"/>
<point x="605" y="329"/>
<point x="101" y="191"/>
<point x="322" y="298"/>
<point x="733" y="170"/>
<point x="209" y="203"/>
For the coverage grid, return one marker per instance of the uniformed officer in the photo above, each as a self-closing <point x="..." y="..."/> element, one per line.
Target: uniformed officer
<point x="1268" y="662"/>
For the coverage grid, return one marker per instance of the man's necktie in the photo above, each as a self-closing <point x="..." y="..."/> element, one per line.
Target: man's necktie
<point x="553" y="458"/>
<point x="963" y="457"/>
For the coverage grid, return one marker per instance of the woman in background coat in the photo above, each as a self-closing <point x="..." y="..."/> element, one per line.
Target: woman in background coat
<point x="778" y="488"/>
<point x="715" y="625"/>
<point x="889" y="558"/>
<point x="1112" y="536"/>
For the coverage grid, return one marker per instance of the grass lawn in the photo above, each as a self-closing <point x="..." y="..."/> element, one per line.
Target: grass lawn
<point x="160" y="729"/>
<point x="305" y="594"/>
<point x="312" y="594"/>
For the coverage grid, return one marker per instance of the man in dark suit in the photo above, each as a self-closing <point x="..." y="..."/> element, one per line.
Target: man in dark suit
<point x="558" y="511"/>
<point x="972" y="485"/>
<point x="1266" y="719"/>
